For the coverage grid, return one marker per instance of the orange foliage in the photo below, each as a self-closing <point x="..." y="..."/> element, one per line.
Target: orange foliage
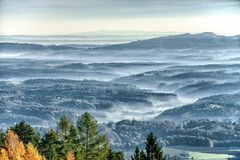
<point x="3" y="155"/>
<point x="70" y="156"/>
<point x="32" y="153"/>
<point x="14" y="149"/>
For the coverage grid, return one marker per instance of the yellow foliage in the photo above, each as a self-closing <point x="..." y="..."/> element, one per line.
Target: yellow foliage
<point x="70" y="156"/>
<point x="14" y="149"/>
<point x="3" y="155"/>
<point x="32" y="153"/>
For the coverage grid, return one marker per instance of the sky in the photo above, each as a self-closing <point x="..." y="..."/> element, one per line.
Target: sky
<point x="59" y="17"/>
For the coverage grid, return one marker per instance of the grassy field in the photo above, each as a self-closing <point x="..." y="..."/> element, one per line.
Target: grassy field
<point x="198" y="155"/>
<point x="209" y="156"/>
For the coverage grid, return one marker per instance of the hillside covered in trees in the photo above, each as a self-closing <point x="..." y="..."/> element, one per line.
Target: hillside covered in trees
<point x="82" y="141"/>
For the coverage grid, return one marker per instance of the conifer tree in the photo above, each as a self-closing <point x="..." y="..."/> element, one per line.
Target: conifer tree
<point x="26" y="133"/>
<point x="1" y="139"/>
<point x="64" y="126"/>
<point x="68" y="135"/>
<point x="142" y="155"/>
<point x="72" y="140"/>
<point x="153" y="149"/>
<point x="110" y="155"/>
<point x="136" y="155"/>
<point x="50" y="145"/>
<point x="114" y="155"/>
<point x="93" y="145"/>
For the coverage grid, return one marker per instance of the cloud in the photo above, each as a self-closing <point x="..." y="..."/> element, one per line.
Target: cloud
<point x="77" y="9"/>
<point x="62" y="16"/>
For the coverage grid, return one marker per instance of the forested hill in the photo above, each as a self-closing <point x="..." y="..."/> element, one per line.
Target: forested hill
<point x="82" y="141"/>
<point x="206" y="40"/>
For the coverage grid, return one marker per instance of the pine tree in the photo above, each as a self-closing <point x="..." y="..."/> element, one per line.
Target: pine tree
<point x="153" y="149"/>
<point x="72" y="142"/>
<point x="110" y="155"/>
<point x="26" y="133"/>
<point x="142" y="155"/>
<point x="72" y="138"/>
<point x="136" y="155"/>
<point x="50" y="145"/>
<point x="64" y="126"/>
<point x="118" y="156"/>
<point x="114" y="155"/>
<point x="1" y="139"/>
<point x="68" y="135"/>
<point x="93" y="145"/>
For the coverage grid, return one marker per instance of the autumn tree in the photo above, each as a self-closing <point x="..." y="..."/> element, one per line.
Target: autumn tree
<point x="14" y="149"/>
<point x="32" y="153"/>
<point x="93" y="145"/>
<point x="3" y="154"/>
<point x="70" y="156"/>
<point x="68" y="142"/>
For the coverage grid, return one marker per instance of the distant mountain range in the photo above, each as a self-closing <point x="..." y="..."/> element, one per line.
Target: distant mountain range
<point x="33" y="47"/>
<point x="205" y="40"/>
<point x="218" y="107"/>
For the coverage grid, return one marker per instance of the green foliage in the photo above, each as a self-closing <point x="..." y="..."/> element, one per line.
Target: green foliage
<point x="136" y="155"/>
<point x="51" y="146"/>
<point x="153" y="150"/>
<point x="68" y="136"/>
<point x="114" y="155"/>
<point x="93" y="145"/>
<point x="72" y="141"/>
<point x="26" y="133"/>
<point x="142" y="155"/>
<point x="2" y="135"/>
<point x="84" y="141"/>
<point x="64" y="126"/>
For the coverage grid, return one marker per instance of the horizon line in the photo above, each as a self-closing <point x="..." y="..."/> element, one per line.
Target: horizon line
<point x="120" y="33"/>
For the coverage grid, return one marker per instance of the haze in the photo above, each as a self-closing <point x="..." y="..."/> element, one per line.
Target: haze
<point x="57" y="17"/>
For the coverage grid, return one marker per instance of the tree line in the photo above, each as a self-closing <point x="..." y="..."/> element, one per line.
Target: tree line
<point x="82" y="141"/>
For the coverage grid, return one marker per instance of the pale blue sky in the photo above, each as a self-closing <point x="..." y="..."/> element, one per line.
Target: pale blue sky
<point x="73" y="16"/>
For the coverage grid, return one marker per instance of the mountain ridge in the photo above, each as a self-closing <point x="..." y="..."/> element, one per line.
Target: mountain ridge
<point x="205" y="40"/>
